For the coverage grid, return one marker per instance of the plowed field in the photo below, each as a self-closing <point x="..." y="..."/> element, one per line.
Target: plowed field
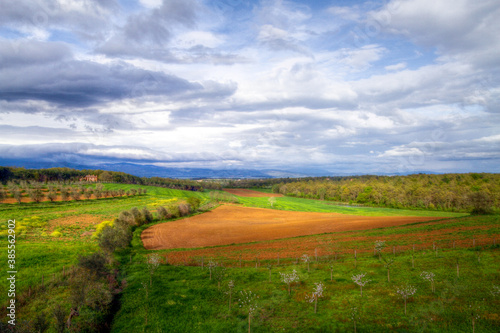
<point x="249" y="193"/>
<point x="234" y="224"/>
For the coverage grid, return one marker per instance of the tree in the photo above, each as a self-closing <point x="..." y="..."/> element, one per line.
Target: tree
<point x="148" y="217"/>
<point x="153" y="264"/>
<point x="289" y="278"/>
<point x="481" y="202"/>
<point x="162" y="213"/>
<point x="36" y="194"/>
<point x="17" y="195"/>
<point x="230" y="287"/>
<point x="194" y="203"/>
<point x="2" y="194"/>
<point x="52" y="196"/>
<point x="75" y="194"/>
<point x="429" y="276"/>
<point x="87" y="193"/>
<point x="272" y="201"/>
<point x="388" y="264"/>
<point x="306" y="259"/>
<point x="360" y="281"/>
<point x="317" y="293"/>
<point x="379" y="246"/>
<point x="248" y="301"/>
<point x="405" y="292"/>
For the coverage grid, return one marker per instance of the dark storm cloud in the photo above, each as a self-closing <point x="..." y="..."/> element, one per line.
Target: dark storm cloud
<point x="45" y="71"/>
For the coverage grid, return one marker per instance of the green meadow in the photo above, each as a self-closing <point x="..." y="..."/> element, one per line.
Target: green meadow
<point x="185" y="299"/>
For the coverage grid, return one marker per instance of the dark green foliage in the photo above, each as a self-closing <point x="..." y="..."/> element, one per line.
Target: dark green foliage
<point x="481" y="203"/>
<point x="60" y="318"/>
<point x="95" y="262"/>
<point x="41" y="323"/>
<point x="137" y="216"/>
<point x="194" y="203"/>
<point x="148" y="216"/>
<point x="116" y="237"/>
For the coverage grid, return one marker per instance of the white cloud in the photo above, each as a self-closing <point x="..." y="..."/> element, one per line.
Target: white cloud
<point x="396" y="67"/>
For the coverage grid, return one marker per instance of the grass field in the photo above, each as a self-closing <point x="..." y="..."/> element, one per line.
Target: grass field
<point x="184" y="299"/>
<point x="51" y="236"/>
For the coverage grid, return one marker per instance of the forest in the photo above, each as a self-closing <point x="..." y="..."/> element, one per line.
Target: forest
<point x="472" y="192"/>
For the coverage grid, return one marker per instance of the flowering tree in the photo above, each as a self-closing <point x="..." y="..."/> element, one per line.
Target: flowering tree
<point x="429" y="276"/>
<point x="153" y="263"/>
<point x="248" y="302"/>
<point x="317" y="293"/>
<point x="289" y="279"/>
<point x="405" y="292"/>
<point x="272" y="201"/>
<point x="307" y="260"/>
<point x="360" y="281"/>
<point x="379" y="246"/>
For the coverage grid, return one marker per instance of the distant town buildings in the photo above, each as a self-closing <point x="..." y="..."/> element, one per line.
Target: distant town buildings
<point x="89" y="178"/>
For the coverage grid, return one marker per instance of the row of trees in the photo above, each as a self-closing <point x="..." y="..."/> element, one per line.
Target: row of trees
<point x="67" y="175"/>
<point x="449" y="192"/>
<point x="36" y="193"/>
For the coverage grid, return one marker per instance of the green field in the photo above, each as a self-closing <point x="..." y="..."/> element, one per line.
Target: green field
<point x="183" y="299"/>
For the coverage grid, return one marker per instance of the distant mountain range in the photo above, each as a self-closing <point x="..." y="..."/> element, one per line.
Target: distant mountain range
<point x="148" y="170"/>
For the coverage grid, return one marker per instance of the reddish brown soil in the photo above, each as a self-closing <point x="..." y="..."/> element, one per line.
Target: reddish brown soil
<point x="249" y="193"/>
<point x="230" y="224"/>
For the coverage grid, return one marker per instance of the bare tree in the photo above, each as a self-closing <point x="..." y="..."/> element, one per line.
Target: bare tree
<point x="306" y="259"/>
<point x="230" y="287"/>
<point x="379" y="246"/>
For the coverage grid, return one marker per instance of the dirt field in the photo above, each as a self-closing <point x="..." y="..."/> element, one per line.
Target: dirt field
<point x="234" y="224"/>
<point x="249" y="193"/>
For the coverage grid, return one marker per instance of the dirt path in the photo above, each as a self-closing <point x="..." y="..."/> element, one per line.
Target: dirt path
<point x="230" y="224"/>
<point x="250" y="193"/>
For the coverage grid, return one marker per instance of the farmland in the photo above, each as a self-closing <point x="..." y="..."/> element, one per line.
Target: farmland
<point x="182" y="297"/>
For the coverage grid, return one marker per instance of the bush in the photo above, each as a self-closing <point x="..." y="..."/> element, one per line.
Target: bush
<point x="183" y="209"/>
<point x="162" y="213"/>
<point x="56" y="234"/>
<point x="116" y="237"/>
<point x="100" y="227"/>
<point x="139" y="219"/>
<point x="194" y="203"/>
<point x="148" y="217"/>
<point x="95" y="262"/>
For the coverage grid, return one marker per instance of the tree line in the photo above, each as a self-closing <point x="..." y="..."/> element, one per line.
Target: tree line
<point x="471" y="192"/>
<point x="69" y="176"/>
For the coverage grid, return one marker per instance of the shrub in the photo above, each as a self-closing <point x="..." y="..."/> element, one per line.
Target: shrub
<point x="56" y="234"/>
<point x="148" y="217"/>
<point x="162" y="213"/>
<point x="139" y="219"/>
<point x="194" y="203"/>
<point x="95" y="262"/>
<point x="183" y="209"/>
<point x="100" y="227"/>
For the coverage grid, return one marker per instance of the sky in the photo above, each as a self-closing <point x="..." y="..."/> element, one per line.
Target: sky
<point x="327" y="86"/>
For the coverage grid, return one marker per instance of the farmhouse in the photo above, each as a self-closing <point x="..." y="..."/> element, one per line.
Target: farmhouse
<point x="89" y="178"/>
